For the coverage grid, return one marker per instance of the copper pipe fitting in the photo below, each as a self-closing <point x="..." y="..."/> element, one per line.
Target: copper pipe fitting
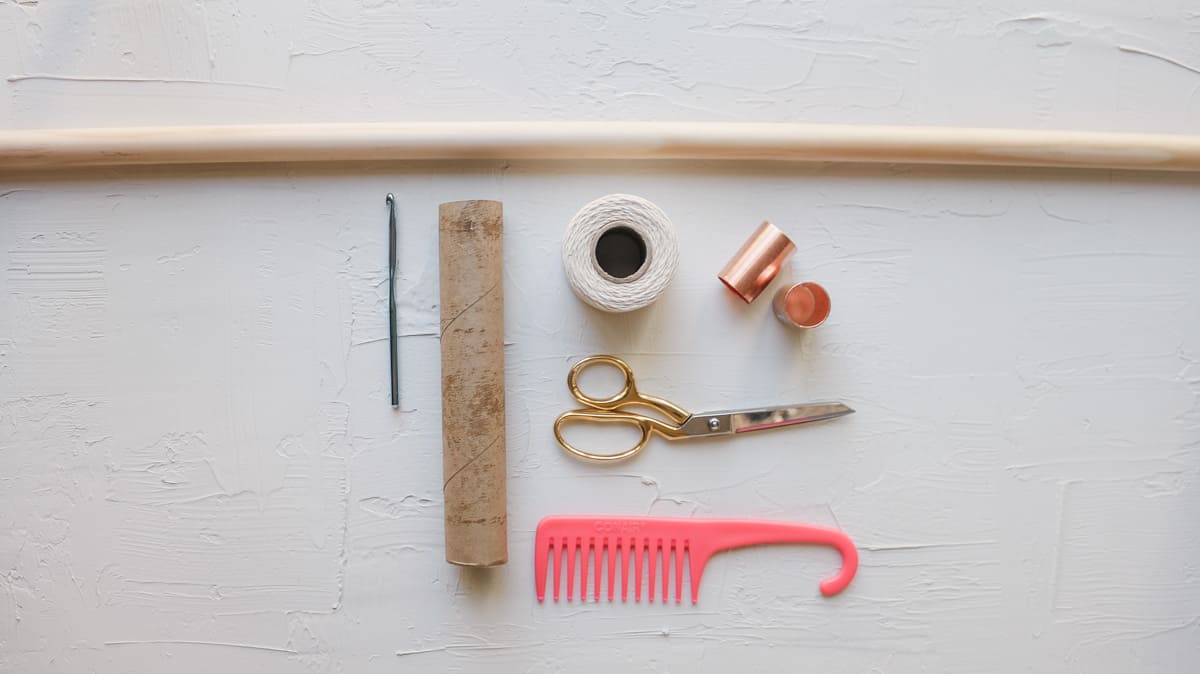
<point x="803" y="305"/>
<point x="757" y="262"/>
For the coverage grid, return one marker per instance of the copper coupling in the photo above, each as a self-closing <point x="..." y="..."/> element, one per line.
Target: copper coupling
<point x="802" y="305"/>
<point x="757" y="262"/>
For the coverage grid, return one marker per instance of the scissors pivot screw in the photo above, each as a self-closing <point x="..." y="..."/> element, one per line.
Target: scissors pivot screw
<point x="714" y="424"/>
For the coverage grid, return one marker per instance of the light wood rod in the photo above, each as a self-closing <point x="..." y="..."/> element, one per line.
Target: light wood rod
<point x="22" y="150"/>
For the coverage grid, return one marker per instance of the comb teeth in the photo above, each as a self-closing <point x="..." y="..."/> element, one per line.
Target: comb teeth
<point x="612" y="556"/>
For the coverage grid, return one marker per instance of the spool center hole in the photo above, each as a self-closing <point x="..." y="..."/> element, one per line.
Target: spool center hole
<point x="620" y="252"/>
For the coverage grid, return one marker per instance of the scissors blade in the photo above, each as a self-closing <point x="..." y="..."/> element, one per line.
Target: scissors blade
<point x="745" y="421"/>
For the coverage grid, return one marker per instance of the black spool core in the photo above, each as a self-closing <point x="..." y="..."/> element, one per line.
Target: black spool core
<point x="620" y="252"/>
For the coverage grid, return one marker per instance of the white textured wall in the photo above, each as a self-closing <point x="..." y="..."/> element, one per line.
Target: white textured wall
<point x="199" y="470"/>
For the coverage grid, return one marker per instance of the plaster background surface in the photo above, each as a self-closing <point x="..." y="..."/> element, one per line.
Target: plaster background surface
<point x="199" y="468"/>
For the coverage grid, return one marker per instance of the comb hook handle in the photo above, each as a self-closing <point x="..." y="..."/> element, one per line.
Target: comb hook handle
<point x="717" y="535"/>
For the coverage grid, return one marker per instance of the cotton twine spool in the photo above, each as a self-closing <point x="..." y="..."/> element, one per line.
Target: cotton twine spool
<point x="635" y="220"/>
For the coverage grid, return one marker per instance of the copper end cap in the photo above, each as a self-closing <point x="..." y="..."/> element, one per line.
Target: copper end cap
<point x="757" y="262"/>
<point x="803" y="305"/>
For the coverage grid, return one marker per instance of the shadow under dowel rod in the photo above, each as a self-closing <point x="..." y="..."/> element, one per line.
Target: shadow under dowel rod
<point x="471" y="261"/>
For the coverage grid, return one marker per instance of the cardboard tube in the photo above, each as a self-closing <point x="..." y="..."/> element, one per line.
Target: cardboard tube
<point x="470" y="245"/>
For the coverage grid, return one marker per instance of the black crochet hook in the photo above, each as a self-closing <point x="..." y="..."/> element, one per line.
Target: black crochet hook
<point x="391" y="202"/>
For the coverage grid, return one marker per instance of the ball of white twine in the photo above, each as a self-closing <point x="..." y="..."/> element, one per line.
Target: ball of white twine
<point x="598" y="288"/>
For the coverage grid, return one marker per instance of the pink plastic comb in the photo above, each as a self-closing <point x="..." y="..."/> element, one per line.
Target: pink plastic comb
<point x="604" y="539"/>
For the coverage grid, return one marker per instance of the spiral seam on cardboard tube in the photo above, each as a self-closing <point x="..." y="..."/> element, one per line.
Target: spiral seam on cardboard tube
<point x="609" y="212"/>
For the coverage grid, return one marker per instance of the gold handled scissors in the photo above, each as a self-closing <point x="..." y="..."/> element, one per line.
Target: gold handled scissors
<point x="680" y="423"/>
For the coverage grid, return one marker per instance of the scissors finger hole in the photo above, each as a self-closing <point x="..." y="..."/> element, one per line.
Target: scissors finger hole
<point x="602" y="380"/>
<point x="601" y="439"/>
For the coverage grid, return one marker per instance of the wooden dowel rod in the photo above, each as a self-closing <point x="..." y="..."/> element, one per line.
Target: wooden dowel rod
<point x="65" y="148"/>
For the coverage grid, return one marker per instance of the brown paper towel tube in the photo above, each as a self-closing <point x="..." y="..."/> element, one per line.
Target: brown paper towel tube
<point x="470" y="244"/>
